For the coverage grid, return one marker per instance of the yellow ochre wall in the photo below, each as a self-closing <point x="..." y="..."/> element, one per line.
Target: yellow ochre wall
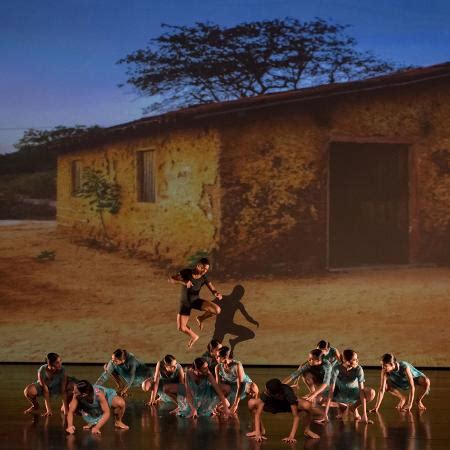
<point x="274" y="174"/>
<point x="185" y="218"/>
<point x="252" y="187"/>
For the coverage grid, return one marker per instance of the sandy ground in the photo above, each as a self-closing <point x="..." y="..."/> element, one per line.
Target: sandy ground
<point x="87" y="302"/>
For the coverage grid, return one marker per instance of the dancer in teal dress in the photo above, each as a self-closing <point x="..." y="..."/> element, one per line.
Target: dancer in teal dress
<point x="201" y="393"/>
<point x="52" y="380"/>
<point x="166" y="382"/>
<point x="329" y="353"/>
<point x="316" y="374"/>
<point x="94" y="403"/>
<point x="347" y="390"/>
<point x="126" y="370"/>
<point x="211" y="354"/>
<point x="399" y="376"/>
<point x="232" y="379"/>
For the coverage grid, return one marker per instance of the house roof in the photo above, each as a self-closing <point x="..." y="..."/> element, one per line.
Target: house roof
<point x="193" y="113"/>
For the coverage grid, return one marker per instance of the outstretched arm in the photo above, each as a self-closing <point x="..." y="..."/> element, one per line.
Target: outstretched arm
<point x="412" y="390"/>
<point x="105" y="416"/>
<point x="291" y="438"/>
<point x="103" y="378"/>
<point x="48" y="408"/>
<point x="214" y="291"/>
<point x="72" y="408"/>
<point x="219" y="393"/>
<point x="156" y="378"/>
<point x="381" y="391"/>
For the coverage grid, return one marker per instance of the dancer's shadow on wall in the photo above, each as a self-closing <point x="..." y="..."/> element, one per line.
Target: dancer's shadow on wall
<point x="225" y="324"/>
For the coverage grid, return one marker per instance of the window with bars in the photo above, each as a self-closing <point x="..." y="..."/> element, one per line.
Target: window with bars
<point x="146" y="176"/>
<point x="76" y="175"/>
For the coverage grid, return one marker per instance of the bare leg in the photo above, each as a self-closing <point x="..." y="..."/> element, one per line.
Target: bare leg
<point x="118" y="406"/>
<point x="399" y="395"/>
<point x="184" y="328"/>
<point x="422" y="390"/>
<point x="210" y="309"/>
<point x="308" y="409"/>
<point x="31" y="393"/>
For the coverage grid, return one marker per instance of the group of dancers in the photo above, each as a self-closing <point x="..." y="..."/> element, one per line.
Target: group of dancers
<point x="216" y="382"/>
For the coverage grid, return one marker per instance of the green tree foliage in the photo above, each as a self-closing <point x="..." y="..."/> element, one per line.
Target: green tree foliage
<point x="37" y="150"/>
<point x="103" y="195"/>
<point x="204" y="63"/>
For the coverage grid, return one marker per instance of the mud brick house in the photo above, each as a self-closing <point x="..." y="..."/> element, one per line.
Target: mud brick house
<point x="340" y="175"/>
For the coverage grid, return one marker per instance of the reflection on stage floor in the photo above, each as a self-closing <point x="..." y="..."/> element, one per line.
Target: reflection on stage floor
<point x="156" y="429"/>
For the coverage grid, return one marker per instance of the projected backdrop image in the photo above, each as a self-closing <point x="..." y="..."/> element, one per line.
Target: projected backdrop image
<point x="324" y="212"/>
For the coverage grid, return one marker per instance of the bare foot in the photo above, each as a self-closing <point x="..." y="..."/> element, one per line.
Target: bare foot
<point x="174" y="411"/>
<point x="192" y="342"/>
<point x="88" y="427"/>
<point x="121" y="425"/>
<point x="401" y="403"/>
<point x="421" y="406"/>
<point x="356" y="414"/>
<point x="310" y="434"/>
<point x="253" y="434"/>
<point x="31" y="409"/>
<point x="199" y="323"/>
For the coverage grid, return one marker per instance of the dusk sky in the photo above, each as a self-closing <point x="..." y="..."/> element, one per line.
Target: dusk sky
<point x="58" y="57"/>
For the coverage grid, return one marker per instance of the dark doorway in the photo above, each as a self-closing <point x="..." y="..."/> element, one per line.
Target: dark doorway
<point x="368" y="221"/>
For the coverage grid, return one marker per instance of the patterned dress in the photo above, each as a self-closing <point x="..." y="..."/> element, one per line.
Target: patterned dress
<point x="346" y="383"/>
<point x="231" y="377"/>
<point x="132" y="372"/>
<point x="399" y="379"/>
<point x="54" y="383"/>
<point x="205" y="398"/>
<point x="92" y="412"/>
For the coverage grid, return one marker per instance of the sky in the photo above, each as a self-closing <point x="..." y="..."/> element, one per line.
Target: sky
<point x="58" y="57"/>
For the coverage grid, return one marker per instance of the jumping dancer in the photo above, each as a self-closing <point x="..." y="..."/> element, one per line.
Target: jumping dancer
<point x="52" y="380"/>
<point x="192" y="281"/>
<point x="347" y="390"/>
<point x="233" y="381"/>
<point x="399" y="376"/>
<point x="125" y="370"/>
<point x="94" y="403"/>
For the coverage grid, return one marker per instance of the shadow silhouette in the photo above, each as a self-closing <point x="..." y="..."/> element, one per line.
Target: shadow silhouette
<point x="225" y="324"/>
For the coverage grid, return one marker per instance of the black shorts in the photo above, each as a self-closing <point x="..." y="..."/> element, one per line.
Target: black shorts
<point x="187" y="304"/>
<point x="276" y="406"/>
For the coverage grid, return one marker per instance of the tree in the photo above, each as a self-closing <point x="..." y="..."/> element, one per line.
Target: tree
<point x="103" y="195"/>
<point x="37" y="150"/>
<point x="204" y="63"/>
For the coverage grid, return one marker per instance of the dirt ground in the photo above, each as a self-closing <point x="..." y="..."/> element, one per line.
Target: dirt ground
<point x="88" y="302"/>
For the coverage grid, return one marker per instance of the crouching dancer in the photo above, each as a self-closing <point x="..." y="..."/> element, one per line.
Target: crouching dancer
<point x="94" y="403"/>
<point x="280" y="398"/>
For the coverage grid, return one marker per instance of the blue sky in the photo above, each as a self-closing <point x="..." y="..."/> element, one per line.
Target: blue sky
<point x="58" y="57"/>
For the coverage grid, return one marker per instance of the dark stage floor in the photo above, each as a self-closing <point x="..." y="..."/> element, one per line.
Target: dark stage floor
<point x="157" y="430"/>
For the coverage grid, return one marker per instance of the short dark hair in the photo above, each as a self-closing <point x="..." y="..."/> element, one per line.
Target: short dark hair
<point x="204" y="261"/>
<point x="214" y="343"/>
<point x="84" y="387"/>
<point x="51" y="358"/>
<point x="323" y="345"/>
<point x="274" y="386"/>
<point x="348" y="354"/>
<point x="316" y="354"/>
<point x="199" y="363"/>
<point x="120" y="353"/>
<point x="225" y="352"/>
<point x="388" y="358"/>
<point x="169" y="359"/>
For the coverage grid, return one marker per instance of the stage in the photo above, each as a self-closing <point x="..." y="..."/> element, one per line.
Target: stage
<point x="156" y="429"/>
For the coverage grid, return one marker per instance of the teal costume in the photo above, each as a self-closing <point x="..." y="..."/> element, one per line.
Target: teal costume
<point x="204" y="397"/>
<point x="399" y="379"/>
<point x="167" y="378"/>
<point x="321" y="373"/>
<point x="331" y="356"/>
<point x="54" y="384"/>
<point x="231" y="377"/>
<point x="92" y="412"/>
<point x="346" y="383"/>
<point x="212" y="362"/>
<point x="132" y="372"/>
